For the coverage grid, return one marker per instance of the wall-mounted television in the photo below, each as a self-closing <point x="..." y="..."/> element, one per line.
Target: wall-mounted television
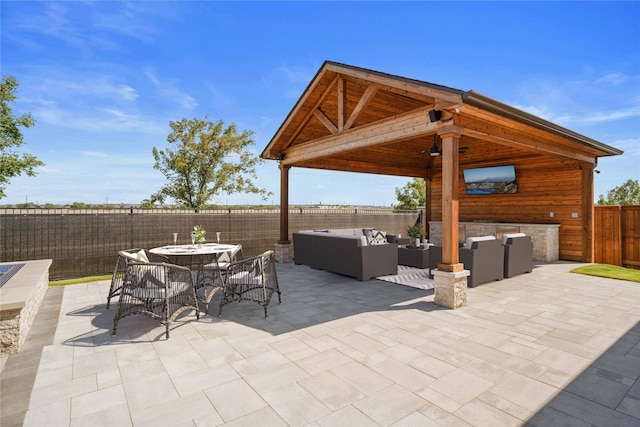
<point x="493" y="180"/>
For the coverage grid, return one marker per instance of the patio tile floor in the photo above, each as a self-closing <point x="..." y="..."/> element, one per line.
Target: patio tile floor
<point x="541" y="349"/>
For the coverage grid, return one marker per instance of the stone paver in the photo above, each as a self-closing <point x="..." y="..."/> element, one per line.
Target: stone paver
<point x="542" y="349"/>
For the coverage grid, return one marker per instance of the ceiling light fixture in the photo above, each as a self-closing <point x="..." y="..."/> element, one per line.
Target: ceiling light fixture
<point x="435" y="151"/>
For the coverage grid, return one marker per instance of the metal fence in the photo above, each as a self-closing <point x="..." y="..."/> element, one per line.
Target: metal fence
<point x="85" y="242"/>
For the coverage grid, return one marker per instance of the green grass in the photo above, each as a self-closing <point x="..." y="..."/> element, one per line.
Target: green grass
<point x="609" y="271"/>
<point x="79" y="280"/>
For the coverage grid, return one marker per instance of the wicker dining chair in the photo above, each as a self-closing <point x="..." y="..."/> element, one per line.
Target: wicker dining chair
<point x="122" y="261"/>
<point x="210" y="278"/>
<point x="252" y="279"/>
<point x="159" y="290"/>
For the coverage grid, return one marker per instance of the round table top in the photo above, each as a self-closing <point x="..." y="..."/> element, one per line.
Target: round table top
<point x="205" y="249"/>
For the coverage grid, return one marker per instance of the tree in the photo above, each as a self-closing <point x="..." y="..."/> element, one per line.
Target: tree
<point x="412" y="195"/>
<point x="204" y="160"/>
<point x="12" y="163"/>
<point x="625" y="194"/>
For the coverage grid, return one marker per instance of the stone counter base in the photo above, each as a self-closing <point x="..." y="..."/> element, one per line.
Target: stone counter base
<point x="20" y="299"/>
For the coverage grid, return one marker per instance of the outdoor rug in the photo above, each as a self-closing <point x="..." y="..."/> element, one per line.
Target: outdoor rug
<point x="410" y="276"/>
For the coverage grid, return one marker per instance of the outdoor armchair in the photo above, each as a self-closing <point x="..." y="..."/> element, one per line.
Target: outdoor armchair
<point x="159" y="290"/>
<point x="252" y="279"/>
<point x="483" y="258"/>
<point x="518" y="254"/>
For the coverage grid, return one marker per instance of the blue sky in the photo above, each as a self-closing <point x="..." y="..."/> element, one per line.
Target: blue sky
<point x="103" y="79"/>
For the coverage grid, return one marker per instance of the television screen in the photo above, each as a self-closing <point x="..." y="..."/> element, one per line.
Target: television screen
<point x="493" y="180"/>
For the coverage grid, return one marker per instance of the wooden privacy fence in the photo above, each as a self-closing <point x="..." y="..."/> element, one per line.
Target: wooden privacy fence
<point x="616" y="235"/>
<point x="85" y="242"/>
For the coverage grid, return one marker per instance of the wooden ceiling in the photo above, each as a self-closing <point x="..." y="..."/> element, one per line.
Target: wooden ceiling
<point x="358" y="120"/>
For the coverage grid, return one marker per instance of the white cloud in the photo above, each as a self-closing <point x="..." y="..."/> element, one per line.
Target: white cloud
<point x="100" y="86"/>
<point x="96" y="120"/>
<point x="167" y="88"/>
<point x="89" y="25"/>
<point x="631" y="147"/>
<point x="151" y="76"/>
<point x="295" y="75"/>
<point x="54" y="22"/>
<point x="94" y="154"/>
<point x="607" y="116"/>
<point x="297" y="78"/>
<point x="536" y="111"/>
<point x="615" y="79"/>
<point x="47" y="169"/>
<point x="582" y="101"/>
<point x="293" y="93"/>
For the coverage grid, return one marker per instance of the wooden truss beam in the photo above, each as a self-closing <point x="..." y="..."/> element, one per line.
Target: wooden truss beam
<point x="313" y="110"/>
<point x="402" y="126"/>
<point x="326" y="121"/>
<point x="367" y="96"/>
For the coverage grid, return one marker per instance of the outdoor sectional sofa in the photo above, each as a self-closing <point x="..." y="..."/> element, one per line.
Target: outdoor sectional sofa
<point x="345" y="251"/>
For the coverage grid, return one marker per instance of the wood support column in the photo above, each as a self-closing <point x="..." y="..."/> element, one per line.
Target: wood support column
<point x="450" y="136"/>
<point x="284" y="204"/>
<point x="428" y="194"/>
<point x="587" y="211"/>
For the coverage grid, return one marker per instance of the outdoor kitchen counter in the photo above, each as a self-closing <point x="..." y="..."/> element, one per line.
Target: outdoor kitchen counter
<point x="545" y="237"/>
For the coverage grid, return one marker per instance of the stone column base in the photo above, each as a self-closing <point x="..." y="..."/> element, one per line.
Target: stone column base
<point x="450" y="288"/>
<point x="284" y="253"/>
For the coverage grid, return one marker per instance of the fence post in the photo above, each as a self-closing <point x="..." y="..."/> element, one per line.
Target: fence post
<point x="131" y="227"/>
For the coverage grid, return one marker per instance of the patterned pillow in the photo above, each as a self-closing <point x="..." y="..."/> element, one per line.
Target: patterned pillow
<point x="379" y="238"/>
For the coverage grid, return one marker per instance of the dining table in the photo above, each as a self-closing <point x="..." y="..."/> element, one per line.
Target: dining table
<point x="202" y="259"/>
<point x="195" y="256"/>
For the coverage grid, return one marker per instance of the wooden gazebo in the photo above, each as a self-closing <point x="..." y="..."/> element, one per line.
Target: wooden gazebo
<point x="359" y="120"/>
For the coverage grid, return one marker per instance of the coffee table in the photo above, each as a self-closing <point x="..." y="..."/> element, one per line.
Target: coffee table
<point x="413" y="257"/>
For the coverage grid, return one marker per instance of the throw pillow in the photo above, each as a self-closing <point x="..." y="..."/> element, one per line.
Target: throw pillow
<point x="379" y="238"/>
<point x="139" y="256"/>
<point x="368" y="232"/>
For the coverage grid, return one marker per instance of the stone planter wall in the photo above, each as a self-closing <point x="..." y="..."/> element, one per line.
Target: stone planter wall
<point x="20" y="299"/>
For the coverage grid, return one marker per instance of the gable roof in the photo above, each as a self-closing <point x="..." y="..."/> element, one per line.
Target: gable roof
<point x="356" y="119"/>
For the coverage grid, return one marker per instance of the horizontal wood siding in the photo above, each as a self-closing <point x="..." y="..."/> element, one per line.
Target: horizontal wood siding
<point x="545" y="184"/>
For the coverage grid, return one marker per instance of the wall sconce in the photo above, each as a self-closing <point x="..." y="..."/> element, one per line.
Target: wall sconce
<point x="435" y="115"/>
<point x="280" y="156"/>
<point x="435" y="151"/>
